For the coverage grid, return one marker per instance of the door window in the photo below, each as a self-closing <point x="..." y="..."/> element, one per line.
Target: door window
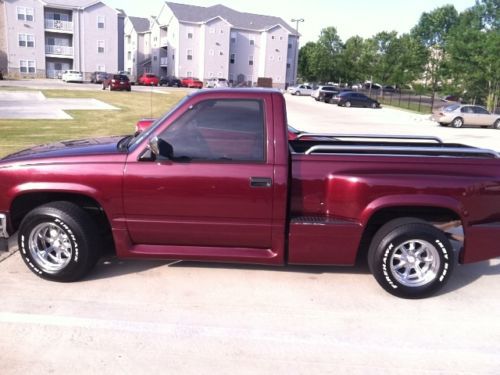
<point x="219" y="130"/>
<point x="480" y="111"/>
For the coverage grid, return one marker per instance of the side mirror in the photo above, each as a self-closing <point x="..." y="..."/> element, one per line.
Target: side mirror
<point x="161" y="149"/>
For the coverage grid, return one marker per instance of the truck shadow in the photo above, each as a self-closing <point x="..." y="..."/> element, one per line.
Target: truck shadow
<point x="111" y="266"/>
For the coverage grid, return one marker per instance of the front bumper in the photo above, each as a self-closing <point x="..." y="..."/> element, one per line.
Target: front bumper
<point x="4" y="235"/>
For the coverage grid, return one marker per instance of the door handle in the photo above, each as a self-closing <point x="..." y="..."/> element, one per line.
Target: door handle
<point x="261" y="182"/>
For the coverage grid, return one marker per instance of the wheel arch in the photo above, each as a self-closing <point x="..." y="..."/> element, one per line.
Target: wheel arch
<point x="443" y="217"/>
<point x="22" y="204"/>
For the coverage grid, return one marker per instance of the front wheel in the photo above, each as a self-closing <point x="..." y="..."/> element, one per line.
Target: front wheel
<point x="496" y="125"/>
<point x="410" y="258"/>
<point x="373" y="105"/>
<point x="59" y="241"/>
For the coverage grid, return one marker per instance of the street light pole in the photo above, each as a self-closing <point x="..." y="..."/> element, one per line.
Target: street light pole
<point x="297" y="21"/>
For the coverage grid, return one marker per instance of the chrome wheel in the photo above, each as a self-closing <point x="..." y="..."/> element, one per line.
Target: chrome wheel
<point x="415" y="263"/>
<point x="458" y="122"/>
<point x="50" y="247"/>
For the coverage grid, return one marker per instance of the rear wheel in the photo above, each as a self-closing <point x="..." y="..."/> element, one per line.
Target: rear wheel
<point x="347" y="104"/>
<point x="297" y="93"/>
<point x="59" y="241"/>
<point x="458" y="122"/>
<point x="411" y="258"/>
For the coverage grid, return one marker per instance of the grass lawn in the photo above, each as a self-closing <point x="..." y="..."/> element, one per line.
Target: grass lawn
<point x="19" y="134"/>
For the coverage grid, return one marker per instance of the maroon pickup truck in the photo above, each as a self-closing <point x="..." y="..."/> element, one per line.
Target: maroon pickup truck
<point x="219" y="178"/>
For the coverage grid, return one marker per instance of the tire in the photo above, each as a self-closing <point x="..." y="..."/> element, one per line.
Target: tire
<point x="69" y="228"/>
<point x="347" y="104"/>
<point x="103" y="86"/>
<point x="457" y="122"/>
<point x="373" y="105"/>
<point x="129" y="89"/>
<point x="496" y="125"/>
<point x="443" y="124"/>
<point x="410" y="258"/>
<point x="297" y="93"/>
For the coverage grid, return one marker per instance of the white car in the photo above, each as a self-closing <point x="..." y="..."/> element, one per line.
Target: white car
<point x="72" y="76"/>
<point x="317" y="94"/>
<point x="217" y="82"/>
<point x="300" y="90"/>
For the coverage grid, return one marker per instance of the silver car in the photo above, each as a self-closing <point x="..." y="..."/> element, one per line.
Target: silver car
<point x="458" y="115"/>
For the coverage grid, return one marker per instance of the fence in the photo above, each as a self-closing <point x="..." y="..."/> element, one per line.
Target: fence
<point x="406" y="99"/>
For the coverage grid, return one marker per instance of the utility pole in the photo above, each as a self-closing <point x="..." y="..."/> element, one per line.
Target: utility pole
<point x="297" y="21"/>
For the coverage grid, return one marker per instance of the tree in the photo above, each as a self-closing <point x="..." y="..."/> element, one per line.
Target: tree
<point x="431" y="31"/>
<point x="306" y="61"/>
<point x="474" y="47"/>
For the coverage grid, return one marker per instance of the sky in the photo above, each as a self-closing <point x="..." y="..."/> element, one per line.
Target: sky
<point x="356" y="17"/>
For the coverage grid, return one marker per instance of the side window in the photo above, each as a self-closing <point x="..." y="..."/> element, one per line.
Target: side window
<point x="466" y="110"/>
<point x="480" y="111"/>
<point x="219" y="130"/>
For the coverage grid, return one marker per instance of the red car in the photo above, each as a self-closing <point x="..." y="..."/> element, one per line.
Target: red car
<point x="191" y="82"/>
<point x="116" y="82"/>
<point x="148" y="79"/>
<point x="217" y="179"/>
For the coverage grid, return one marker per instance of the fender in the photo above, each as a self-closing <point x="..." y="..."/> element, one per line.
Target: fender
<point x="420" y="200"/>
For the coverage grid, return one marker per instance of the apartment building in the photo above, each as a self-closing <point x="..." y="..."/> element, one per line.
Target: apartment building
<point x="42" y="38"/>
<point x="137" y="45"/>
<point x="217" y="41"/>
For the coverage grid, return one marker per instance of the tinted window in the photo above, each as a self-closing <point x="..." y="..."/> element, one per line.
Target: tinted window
<point x="231" y="130"/>
<point x="481" y="111"/>
<point x="121" y="77"/>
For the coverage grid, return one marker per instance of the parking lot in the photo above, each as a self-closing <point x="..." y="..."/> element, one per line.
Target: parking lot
<point x="198" y="318"/>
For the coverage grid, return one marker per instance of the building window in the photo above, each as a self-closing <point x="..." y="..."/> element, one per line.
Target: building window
<point x="101" y="68"/>
<point x="250" y="60"/>
<point x="281" y="38"/>
<point x="252" y="42"/>
<point x="190" y="34"/>
<point x="280" y="58"/>
<point x="233" y="37"/>
<point x="271" y="58"/>
<point x="289" y="45"/>
<point x="232" y="58"/>
<point x="221" y="53"/>
<point x="27" y="66"/>
<point x="272" y="37"/>
<point x="30" y="40"/>
<point x="211" y="30"/>
<point x="129" y="55"/>
<point x="189" y="54"/>
<point x="100" y="22"/>
<point x="189" y="74"/>
<point x="211" y="74"/>
<point x="129" y="39"/>
<point x="288" y="66"/>
<point x="25" y="14"/>
<point x="100" y="46"/>
<point x="155" y="58"/>
<point x="22" y="40"/>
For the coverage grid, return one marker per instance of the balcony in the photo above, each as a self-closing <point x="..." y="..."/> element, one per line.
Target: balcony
<point x="59" y="51"/>
<point x="58" y="26"/>
<point x="164" y="62"/>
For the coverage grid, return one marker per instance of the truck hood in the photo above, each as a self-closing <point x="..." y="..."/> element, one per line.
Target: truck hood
<point x="83" y="147"/>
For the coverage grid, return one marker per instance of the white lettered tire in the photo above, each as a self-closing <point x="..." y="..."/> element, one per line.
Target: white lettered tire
<point x="59" y="241"/>
<point x="411" y="258"/>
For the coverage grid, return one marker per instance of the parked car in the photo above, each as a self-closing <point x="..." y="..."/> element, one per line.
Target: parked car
<point x="170" y="81"/>
<point x="354" y="99"/>
<point x="1" y="75"/>
<point x="191" y="82"/>
<point x="389" y="89"/>
<point x="300" y="90"/>
<point x="452" y="98"/>
<point x="149" y="79"/>
<point x="213" y="180"/>
<point x="317" y="94"/>
<point x="72" y="76"/>
<point x="130" y="77"/>
<point x="98" y="77"/>
<point x="459" y="115"/>
<point x="374" y="86"/>
<point x="217" y="82"/>
<point x="116" y="82"/>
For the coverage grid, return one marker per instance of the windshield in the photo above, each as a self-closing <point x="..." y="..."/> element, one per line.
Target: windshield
<point x="136" y="140"/>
